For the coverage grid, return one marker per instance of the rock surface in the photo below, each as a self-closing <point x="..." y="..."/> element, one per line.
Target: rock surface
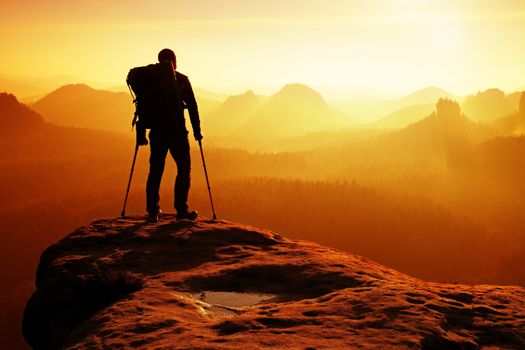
<point x="121" y="283"/>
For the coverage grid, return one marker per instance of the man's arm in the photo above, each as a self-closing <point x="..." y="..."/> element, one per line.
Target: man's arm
<point x="140" y="130"/>
<point x="191" y="103"/>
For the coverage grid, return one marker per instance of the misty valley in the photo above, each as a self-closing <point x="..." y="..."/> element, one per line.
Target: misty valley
<point x="433" y="188"/>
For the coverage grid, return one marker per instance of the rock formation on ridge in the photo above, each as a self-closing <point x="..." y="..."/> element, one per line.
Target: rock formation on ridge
<point x="217" y="285"/>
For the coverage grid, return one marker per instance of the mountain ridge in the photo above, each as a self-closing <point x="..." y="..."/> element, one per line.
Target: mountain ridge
<point x="404" y="116"/>
<point x="87" y="107"/>
<point x="16" y="115"/>
<point x="232" y="113"/>
<point x="296" y="109"/>
<point x="428" y="94"/>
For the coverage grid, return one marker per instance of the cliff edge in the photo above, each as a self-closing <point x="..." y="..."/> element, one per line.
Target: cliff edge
<point x="121" y="283"/>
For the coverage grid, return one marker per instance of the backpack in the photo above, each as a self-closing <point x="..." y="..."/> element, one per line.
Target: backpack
<point x="148" y="83"/>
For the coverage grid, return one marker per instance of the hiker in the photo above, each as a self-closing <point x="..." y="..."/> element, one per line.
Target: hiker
<point x="169" y="133"/>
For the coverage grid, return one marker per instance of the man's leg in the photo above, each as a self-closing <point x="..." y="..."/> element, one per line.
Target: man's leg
<point x="157" y="159"/>
<point x="180" y="151"/>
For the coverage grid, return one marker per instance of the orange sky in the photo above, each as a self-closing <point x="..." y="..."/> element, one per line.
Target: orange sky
<point x="337" y="47"/>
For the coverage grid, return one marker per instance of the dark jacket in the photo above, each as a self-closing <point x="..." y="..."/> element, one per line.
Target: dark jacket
<point x="172" y="98"/>
<point x="189" y="102"/>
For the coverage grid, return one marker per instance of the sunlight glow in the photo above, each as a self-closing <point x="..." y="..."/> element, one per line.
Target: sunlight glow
<point x="334" y="46"/>
<point x="446" y="37"/>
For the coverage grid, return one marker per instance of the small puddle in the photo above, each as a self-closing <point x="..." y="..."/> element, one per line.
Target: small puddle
<point x="233" y="299"/>
<point x="230" y="303"/>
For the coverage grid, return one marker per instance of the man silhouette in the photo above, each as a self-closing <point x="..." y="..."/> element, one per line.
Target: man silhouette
<point x="170" y="134"/>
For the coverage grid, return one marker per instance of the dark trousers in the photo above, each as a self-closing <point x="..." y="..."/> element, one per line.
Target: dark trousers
<point x="177" y="143"/>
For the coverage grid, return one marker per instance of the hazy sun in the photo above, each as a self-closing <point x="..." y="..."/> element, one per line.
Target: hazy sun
<point x="445" y="36"/>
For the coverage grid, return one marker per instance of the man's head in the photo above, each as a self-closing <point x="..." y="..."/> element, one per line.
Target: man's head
<point x="168" y="55"/>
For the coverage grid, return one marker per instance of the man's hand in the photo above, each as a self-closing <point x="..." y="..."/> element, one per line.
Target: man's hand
<point x="142" y="140"/>
<point x="198" y="136"/>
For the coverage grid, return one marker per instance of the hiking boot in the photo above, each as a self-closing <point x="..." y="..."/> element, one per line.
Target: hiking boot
<point x="187" y="215"/>
<point x="154" y="217"/>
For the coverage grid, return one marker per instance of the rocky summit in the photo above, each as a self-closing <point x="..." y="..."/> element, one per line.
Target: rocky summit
<point x="123" y="283"/>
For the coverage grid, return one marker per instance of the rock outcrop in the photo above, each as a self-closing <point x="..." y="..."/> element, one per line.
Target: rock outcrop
<point x="121" y="283"/>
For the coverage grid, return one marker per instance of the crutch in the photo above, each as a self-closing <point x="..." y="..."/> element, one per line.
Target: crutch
<point x="207" y="181"/>
<point x="129" y="182"/>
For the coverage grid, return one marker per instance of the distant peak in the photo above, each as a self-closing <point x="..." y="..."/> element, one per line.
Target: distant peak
<point x="297" y="90"/>
<point x="71" y="91"/>
<point x="297" y="87"/>
<point x="431" y="91"/>
<point x="246" y="96"/>
<point x="248" y="93"/>
<point x="14" y="113"/>
<point x="75" y="87"/>
<point x="494" y="92"/>
<point x="426" y="95"/>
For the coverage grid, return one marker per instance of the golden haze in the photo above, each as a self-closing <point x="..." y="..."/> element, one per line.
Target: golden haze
<point x="337" y="47"/>
<point x="432" y="187"/>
